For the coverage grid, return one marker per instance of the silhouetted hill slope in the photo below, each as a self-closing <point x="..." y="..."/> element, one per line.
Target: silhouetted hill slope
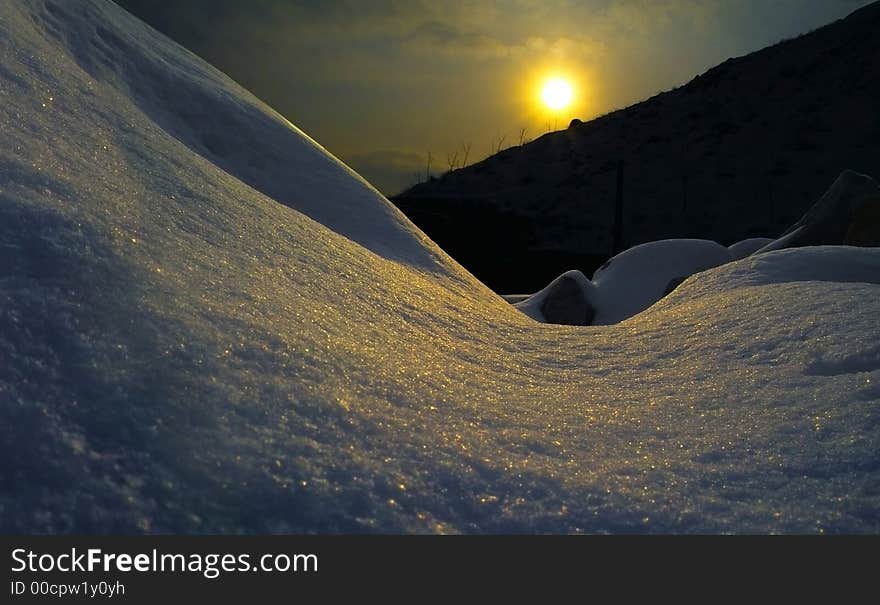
<point x="741" y="150"/>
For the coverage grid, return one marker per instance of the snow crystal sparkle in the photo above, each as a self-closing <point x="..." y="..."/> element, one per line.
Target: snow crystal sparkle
<point x="136" y="399"/>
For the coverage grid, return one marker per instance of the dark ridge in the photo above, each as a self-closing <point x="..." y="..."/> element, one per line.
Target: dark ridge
<point x="740" y="151"/>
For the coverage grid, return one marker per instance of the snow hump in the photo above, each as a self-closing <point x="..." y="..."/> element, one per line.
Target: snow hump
<point x="143" y="77"/>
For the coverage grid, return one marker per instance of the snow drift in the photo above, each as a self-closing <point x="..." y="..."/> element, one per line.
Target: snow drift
<point x="625" y="285"/>
<point x="847" y="214"/>
<point x="208" y="324"/>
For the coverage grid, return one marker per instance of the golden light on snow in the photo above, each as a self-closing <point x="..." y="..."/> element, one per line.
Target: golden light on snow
<point x="557" y="93"/>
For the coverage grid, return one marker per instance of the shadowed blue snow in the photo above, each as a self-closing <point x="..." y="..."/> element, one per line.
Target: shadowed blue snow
<point x="180" y="352"/>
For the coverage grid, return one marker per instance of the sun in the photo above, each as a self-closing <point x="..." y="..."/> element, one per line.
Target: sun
<point x="557" y="93"/>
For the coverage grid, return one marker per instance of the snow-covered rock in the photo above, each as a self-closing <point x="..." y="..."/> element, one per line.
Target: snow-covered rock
<point x="566" y="300"/>
<point x="636" y="278"/>
<point x="626" y="284"/>
<point x="845" y="210"/>
<point x="196" y="337"/>
<point x="746" y="247"/>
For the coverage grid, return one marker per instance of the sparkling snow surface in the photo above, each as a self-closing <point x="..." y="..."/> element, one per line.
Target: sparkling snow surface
<point x="180" y="352"/>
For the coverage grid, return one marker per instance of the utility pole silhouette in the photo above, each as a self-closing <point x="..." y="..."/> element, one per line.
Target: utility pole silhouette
<point x="617" y="233"/>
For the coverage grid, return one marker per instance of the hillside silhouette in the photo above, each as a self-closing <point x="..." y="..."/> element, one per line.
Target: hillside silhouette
<point x="740" y="151"/>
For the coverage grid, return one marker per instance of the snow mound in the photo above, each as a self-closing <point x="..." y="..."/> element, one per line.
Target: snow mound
<point x="183" y="351"/>
<point x="140" y="73"/>
<point x="840" y="264"/>
<point x="636" y="278"/>
<point x="625" y="285"/>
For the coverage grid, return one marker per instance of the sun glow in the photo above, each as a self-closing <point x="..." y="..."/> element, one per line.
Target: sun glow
<point x="557" y="93"/>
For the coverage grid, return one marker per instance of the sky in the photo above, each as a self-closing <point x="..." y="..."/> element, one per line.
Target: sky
<point x="383" y="83"/>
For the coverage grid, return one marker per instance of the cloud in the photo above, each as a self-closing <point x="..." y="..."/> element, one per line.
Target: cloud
<point x="449" y="39"/>
<point x="564" y="47"/>
<point x="436" y="36"/>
